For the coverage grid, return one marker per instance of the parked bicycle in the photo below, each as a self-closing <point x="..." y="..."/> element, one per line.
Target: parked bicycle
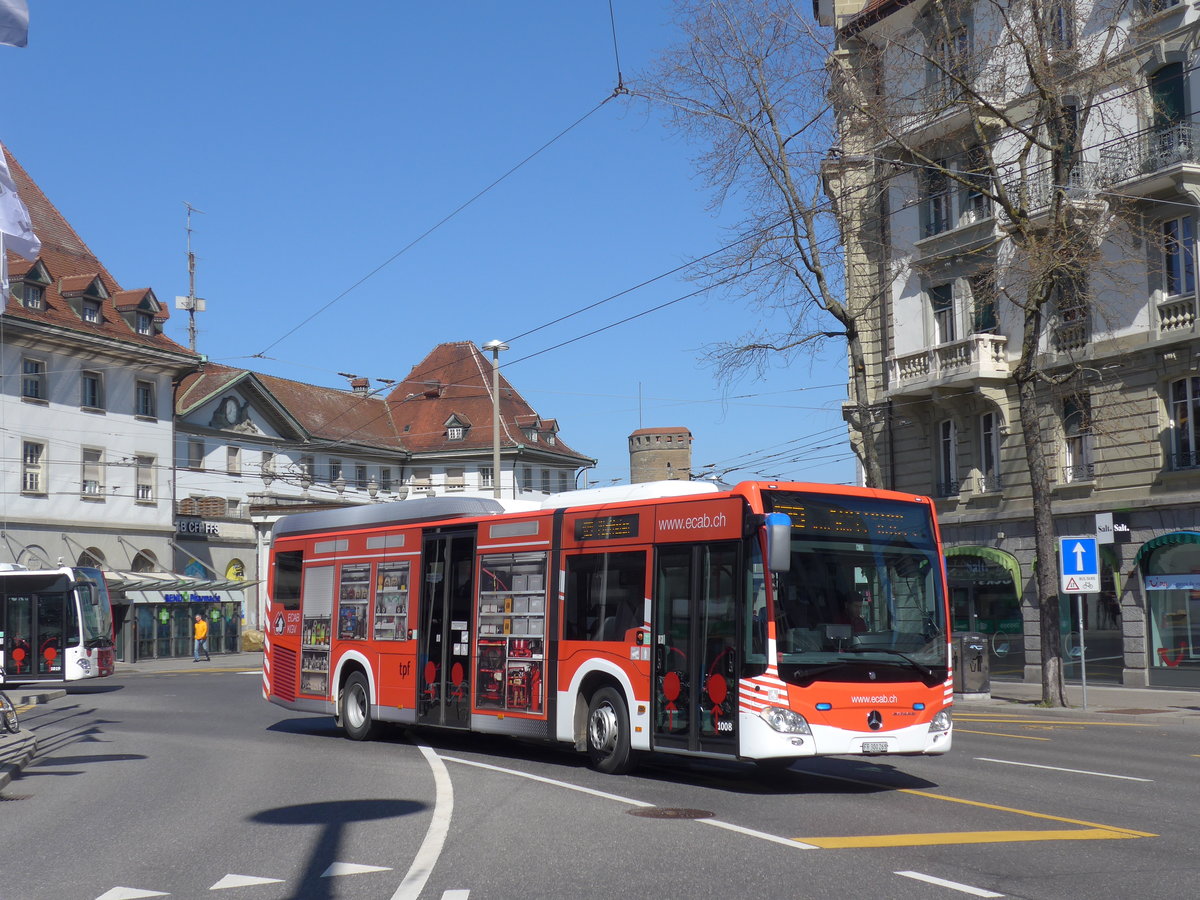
<point x="8" y="714"/>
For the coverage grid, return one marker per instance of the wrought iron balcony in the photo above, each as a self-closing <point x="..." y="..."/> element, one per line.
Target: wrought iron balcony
<point x="1185" y="460"/>
<point x="1078" y="472"/>
<point x="1035" y="191"/>
<point x="1149" y="151"/>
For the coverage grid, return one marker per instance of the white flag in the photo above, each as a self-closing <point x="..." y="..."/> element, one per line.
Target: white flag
<point x="16" y="231"/>
<point x="14" y="22"/>
<point x="14" y="217"/>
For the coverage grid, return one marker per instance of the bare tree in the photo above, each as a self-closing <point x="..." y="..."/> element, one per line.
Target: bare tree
<point x="750" y="84"/>
<point x="820" y="130"/>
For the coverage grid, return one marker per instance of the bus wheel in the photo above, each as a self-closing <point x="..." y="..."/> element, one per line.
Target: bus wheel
<point x="608" y="733"/>
<point x="356" y="708"/>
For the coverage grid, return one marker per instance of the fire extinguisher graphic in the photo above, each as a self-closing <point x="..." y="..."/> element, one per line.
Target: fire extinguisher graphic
<point x="535" y="689"/>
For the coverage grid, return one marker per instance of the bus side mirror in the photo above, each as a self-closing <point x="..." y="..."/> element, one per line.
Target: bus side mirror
<point x="778" y="527"/>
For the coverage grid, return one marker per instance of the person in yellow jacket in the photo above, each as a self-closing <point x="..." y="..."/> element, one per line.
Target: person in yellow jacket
<point x="201" y="633"/>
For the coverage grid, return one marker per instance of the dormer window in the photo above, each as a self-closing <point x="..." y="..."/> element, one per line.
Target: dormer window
<point x="31" y="296"/>
<point x="90" y="311"/>
<point x="456" y="427"/>
<point x="144" y="323"/>
<point x="531" y="435"/>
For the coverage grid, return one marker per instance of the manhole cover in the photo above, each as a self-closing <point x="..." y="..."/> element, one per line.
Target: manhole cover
<point x="667" y="812"/>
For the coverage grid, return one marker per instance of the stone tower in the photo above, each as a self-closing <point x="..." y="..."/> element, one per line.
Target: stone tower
<point x="660" y="454"/>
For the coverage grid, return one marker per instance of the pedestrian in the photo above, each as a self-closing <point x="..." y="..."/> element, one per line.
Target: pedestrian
<point x="201" y="632"/>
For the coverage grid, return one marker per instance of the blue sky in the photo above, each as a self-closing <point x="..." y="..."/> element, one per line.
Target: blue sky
<point x="323" y="141"/>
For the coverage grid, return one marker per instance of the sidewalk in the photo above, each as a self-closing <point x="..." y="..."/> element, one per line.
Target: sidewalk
<point x="1108" y="699"/>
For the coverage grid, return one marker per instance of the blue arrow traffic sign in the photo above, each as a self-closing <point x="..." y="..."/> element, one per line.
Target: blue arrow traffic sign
<point x="1079" y="565"/>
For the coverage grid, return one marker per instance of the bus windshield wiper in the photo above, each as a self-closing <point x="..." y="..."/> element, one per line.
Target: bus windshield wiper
<point x="920" y="667"/>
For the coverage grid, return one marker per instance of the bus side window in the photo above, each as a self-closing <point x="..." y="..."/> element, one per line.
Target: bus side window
<point x="288" y="564"/>
<point x="604" y="596"/>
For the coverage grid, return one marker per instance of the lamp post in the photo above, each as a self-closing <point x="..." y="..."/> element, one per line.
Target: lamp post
<point x="495" y="347"/>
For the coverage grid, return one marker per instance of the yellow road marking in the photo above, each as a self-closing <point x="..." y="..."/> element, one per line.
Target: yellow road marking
<point x="1087" y="831"/>
<point x="1042" y="722"/>
<point x="963" y="837"/>
<point x="1023" y="737"/>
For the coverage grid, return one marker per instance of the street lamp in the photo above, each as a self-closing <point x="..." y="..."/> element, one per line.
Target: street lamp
<point x="495" y="347"/>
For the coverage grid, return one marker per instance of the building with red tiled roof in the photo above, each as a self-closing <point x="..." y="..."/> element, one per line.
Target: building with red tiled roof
<point x="86" y="413"/>
<point x="443" y="415"/>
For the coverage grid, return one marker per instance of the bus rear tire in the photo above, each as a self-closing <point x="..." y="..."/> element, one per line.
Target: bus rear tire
<point x="355" y="708"/>
<point x="608" y="733"/>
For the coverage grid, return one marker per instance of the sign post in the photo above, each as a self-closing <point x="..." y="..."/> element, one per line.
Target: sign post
<point x="1079" y="571"/>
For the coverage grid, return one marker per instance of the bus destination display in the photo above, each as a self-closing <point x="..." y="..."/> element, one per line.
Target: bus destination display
<point x="854" y="518"/>
<point x="606" y="528"/>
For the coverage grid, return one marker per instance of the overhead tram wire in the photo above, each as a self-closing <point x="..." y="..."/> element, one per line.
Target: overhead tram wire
<point x="435" y="226"/>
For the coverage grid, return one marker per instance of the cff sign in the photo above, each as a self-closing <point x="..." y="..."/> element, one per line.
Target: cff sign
<point x="1079" y="565"/>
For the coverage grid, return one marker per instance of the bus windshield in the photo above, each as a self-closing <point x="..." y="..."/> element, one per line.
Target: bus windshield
<point x="95" y="609"/>
<point x="864" y="586"/>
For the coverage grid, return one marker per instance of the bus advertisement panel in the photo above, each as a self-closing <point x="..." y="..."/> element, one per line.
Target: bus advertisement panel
<point x="765" y="622"/>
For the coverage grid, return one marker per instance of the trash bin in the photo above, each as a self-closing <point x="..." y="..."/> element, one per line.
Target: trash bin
<point x="971" y="670"/>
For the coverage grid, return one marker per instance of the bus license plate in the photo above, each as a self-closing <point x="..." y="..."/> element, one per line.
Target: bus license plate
<point x="874" y="747"/>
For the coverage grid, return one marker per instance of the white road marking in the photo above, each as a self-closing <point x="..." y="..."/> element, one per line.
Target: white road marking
<point x="761" y="835"/>
<point x="337" y="869"/>
<point x="952" y="885"/>
<point x="435" y="837"/>
<point x="629" y="801"/>
<point x="1009" y="762"/>
<point x="235" y="881"/>
<point x="563" y="784"/>
<point x="124" y="893"/>
<point x="456" y="895"/>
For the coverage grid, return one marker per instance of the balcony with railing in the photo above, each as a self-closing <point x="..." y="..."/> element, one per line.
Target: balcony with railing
<point x="1149" y="152"/>
<point x="954" y="363"/>
<point x="1035" y="191"/>
<point x="1185" y="460"/>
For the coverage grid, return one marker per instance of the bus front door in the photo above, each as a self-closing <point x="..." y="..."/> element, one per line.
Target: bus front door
<point x="33" y="634"/>
<point x="695" y="647"/>
<point x="444" y="639"/>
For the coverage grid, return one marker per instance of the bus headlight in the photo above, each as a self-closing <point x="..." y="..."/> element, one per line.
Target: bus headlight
<point x="84" y="664"/>
<point x="941" y="722"/>
<point x="785" y="721"/>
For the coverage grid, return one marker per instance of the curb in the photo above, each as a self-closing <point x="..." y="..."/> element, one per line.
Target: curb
<point x="14" y="757"/>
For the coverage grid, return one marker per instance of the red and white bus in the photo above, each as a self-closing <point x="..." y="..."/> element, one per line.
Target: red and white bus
<point x="55" y="625"/>
<point x="765" y="622"/>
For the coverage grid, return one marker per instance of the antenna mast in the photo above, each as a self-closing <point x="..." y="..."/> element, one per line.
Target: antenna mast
<point x="191" y="302"/>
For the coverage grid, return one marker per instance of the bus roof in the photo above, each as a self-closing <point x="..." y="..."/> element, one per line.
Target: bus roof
<point x="373" y="515"/>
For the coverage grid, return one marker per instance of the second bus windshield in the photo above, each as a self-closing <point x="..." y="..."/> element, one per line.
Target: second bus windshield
<point x="864" y="583"/>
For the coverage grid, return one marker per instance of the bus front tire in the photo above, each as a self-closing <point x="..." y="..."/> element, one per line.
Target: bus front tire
<point x="356" y="708"/>
<point x="608" y="733"/>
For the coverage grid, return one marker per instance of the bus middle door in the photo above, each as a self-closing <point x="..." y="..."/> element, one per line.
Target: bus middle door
<point x="695" y="647"/>
<point x="444" y="640"/>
